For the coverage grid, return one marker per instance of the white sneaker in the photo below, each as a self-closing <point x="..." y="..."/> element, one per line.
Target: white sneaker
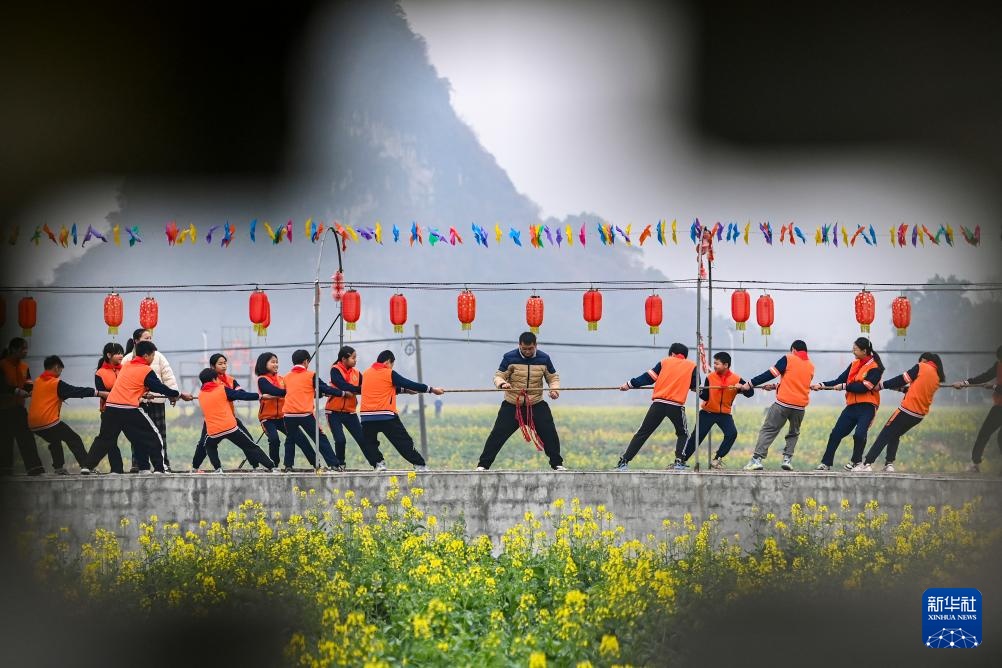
<point x="974" y="468"/>
<point x="380" y="467"/>
<point x="422" y="469"/>
<point x="717" y="463"/>
<point x="823" y="467"/>
<point x="754" y="465"/>
<point x="559" y="468"/>
<point x="888" y="468"/>
<point x="787" y="464"/>
<point x="862" y="467"/>
<point x="481" y="468"/>
<point x="84" y="471"/>
<point x="219" y="470"/>
<point x="145" y="472"/>
<point x="848" y="466"/>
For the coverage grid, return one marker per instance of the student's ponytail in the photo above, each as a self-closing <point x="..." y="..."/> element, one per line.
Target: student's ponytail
<point x="866" y="346"/>
<point x="130" y="345"/>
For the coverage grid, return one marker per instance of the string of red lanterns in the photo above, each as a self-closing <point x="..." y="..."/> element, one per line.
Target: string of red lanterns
<point x="466" y="308"/>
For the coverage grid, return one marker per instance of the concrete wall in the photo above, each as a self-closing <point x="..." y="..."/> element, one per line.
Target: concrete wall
<point x="489" y="502"/>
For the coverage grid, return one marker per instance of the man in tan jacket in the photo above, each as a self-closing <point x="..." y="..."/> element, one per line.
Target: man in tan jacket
<point x="522" y="373"/>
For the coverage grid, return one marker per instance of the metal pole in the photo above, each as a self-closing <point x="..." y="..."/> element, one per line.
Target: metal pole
<point x="699" y="304"/>
<point x="316" y="348"/>
<point x="316" y="336"/>
<point x="420" y="398"/>
<point x="709" y="355"/>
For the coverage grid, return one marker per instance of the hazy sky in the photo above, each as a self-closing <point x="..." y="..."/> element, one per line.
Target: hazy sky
<point x="569" y="98"/>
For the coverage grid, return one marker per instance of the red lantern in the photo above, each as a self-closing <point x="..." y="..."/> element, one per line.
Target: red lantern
<point x="398" y="312"/>
<point x="865" y="307"/>
<point x="901" y="314"/>
<point x="27" y="315"/>
<point x="351" y="308"/>
<point x="653" y="312"/>
<point x="466" y="309"/>
<point x="149" y="312"/>
<point x="740" y="308"/>
<point x="534" y="313"/>
<point x="592" y="308"/>
<point x="113" y="312"/>
<point x="765" y="314"/>
<point x="259" y="309"/>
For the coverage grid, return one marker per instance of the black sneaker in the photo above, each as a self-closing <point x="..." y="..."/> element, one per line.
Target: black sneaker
<point x="134" y="469"/>
<point x="38" y="470"/>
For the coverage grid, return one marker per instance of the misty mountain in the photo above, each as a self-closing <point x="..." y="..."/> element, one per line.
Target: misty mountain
<point x="377" y="140"/>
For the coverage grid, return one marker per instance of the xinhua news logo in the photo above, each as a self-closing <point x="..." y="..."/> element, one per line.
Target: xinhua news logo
<point x="951" y="618"/>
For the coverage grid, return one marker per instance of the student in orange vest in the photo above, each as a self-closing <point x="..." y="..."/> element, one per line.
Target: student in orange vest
<point x="219" y="364"/>
<point x="792" y="396"/>
<point x="673" y="378"/>
<point x="122" y="412"/>
<point x="271" y="414"/>
<point x="993" y="421"/>
<point x="379" y="412"/>
<point x="341" y="410"/>
<point x="923" y="381"/>
<point x="44" y="419"/>
<point x="718" y="394"/>
<point x="300" y="416"/>
<point x="108" y="368"/>
<point x="216" y="401"/>
<point x="15" y="386"/>
<point x="862" y="398"/>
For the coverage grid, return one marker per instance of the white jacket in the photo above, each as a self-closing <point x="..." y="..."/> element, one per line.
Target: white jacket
<point x="161" y="367"/>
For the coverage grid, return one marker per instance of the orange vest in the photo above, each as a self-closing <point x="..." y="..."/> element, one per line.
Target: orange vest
<point x="271" y="409"/>
<point x="216" y="409"/>
<point x="921" y="390"/>
<point x="379" y="394"/>
<point x="673" y="382"/>
<point x="131" y="384"/>
<point x="299" y="392"/>
<point x="795" y="389"/>
<point x="43" y="412"/>
<point x="344" y="404"/>
<point x="15" y="375"/>
<point x="108" y="375"/>
<point x="857" y="373"/>
<point x="720" y="400"/>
